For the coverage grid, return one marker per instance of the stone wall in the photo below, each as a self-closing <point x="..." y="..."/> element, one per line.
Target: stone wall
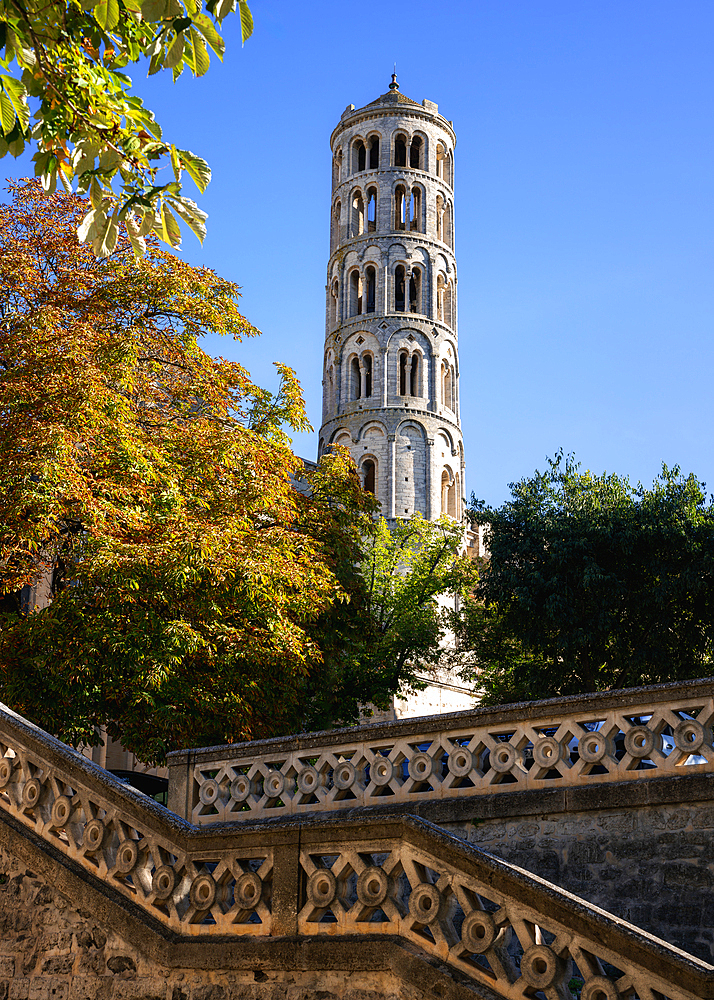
<point x="652" y="865"/>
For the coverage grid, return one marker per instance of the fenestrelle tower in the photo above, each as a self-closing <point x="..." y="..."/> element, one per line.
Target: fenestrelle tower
<point x="391" y="375"/>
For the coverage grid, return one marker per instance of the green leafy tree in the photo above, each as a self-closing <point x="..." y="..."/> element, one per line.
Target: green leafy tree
<point x="592" y="583"/>
<point x="66" y="59"/>
<point x="151" y="488"/>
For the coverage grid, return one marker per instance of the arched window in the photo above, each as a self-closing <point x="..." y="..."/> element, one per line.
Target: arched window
<point x="447" y="385"/>
<point x="355" y="379"/>
<point x="355" y="293"/>
<point x="447" y="227"/>
<point x="369" y="476"/>
<point x="357" y="214"/>
<point x="449" y="170"/>
<point x="448" y="304"/>
<point x="371" y="210"/>
<point x="371" y="282"/>
<point x="399" y="288"/>
<point x="415" y="153"/>
<point x="336" y="219"/>
<point x="415" y="210"/>
<point x="440" y="160"/>
<point x="414" y="379"/>
<point x="334" y="300"/>
<point x="448" y="493"/>
<point x="415" y="291"/>
<point x="403" y="359"/>
<point x="400" y="208"/>
<point x="439" y="217"/>
<point x="400" y="151"/>
<point x="440" y="290"/>
<point x="359" y="157"/>
<point x="367" y="374"/>
<point x="337" y="168"/>
<point x="374" y="153"/>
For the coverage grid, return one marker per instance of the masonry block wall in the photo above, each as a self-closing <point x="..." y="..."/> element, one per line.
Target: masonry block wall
<point x="391" y="388"/>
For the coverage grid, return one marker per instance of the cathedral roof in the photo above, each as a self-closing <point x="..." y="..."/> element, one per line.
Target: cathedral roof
<point x="393" y="96"/>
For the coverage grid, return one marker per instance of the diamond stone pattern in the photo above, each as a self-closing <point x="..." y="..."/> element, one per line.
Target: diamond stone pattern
<point x="639" y="740"/>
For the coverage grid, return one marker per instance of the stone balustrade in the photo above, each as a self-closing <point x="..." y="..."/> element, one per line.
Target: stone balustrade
<point x="331" y="880"/>
<point x="618" y="736"/>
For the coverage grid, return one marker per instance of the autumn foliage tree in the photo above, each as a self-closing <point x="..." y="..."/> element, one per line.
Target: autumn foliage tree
<point x="148" y="484"/>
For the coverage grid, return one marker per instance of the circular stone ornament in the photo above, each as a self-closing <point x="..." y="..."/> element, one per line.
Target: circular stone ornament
<point x="248" y="890"/>
<point x="127" y="856"/>
<point x="547" y="752"/>
<point x="308" y="780"/>
<point x="382" y="771"/>
<point x="5" y="772"/>
<point x="478" y="932"/>
<point x="461" y="762"/>
<point x="640" y="741"/>
<point x="421" y="767"/>
<point x="163" y="882"/>
<point x="541" y="967"/>
<point x="203" y="892"/>
<point x="61" y="810"/>
<point x="503" y="757"/>
<point x="372" y="886"/>
<point x="594" y="747"/>
<point x="94" y="833"/>
<point x="425" y="903"/>
<point x="209" y="791"/>
<point x="599" y="988"/>
<point x="690" y="736"/>
<point x="31" y="792"/>
<point x="274" y="784"/>
<point x="322" y="888"/>
<point x="240" y="788"/>
<point x="344" y="776"/>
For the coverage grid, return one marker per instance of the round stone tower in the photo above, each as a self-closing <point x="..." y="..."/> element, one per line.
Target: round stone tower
<point x="391" y="368"/>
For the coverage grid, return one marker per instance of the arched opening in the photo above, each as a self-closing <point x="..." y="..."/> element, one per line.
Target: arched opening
<point x="400" y="208"/>
<point x="355" y="293"/>
<point x="448" y="303"/>
<point x="415" y="210"/>
<point x="449" y="170"/>
<point x="371" y="282"/>
<point x="374" y="153"/>
<point x="414" y="380"/>
<point x="399" y="288"/>
<point x="448" y="493"/>
<point x="400" y="151"/>
<point x="439" y="217"/>
<point x="357" y="214"/>
<point x="369" y="476"/>
<point x="334" y="300"/>
<point x="337" y="168"/>
<point x="415" y="153"/>
<point x="367" y="374"/>
<point x="447" y="226"/>
<point x="355" y="380"/>
<point x="336" y="219"/>
<point x="440" y="288"/>
<point x="359" y="156"/>
<point x="447" y="385"/>
<point x="440" y="160"/>
<point x="371" y="210"/>
<point x="403" y="358"/>
<point x="415" y="291"/>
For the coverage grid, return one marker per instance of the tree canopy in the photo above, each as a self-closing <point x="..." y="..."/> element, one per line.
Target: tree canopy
<point x="592" y="583"/>
<point x="151" y="487"/>
<point x="65" y="59"/>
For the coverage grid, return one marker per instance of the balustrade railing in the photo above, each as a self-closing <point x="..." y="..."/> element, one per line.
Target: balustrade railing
<point x="395" y="878"/>
<point x="626" y="735"/>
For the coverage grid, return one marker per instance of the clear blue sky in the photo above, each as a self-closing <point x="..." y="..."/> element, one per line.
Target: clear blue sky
<point x="584" y="209"/>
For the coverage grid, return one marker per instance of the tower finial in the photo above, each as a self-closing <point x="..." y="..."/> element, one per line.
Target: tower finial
<point x="394" y="85"/>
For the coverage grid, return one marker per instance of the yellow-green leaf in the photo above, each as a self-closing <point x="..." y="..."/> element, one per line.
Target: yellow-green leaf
<point x="7" y="113"/>
<point x="199" y="53"/>
<point x="197" y="168"/>
<point x="246" y="21"/>
<point x="107" y="14"/>
<point x="175" y="54"/>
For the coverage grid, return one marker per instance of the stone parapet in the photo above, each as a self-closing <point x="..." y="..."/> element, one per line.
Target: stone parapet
<point x="366" y="894"/>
